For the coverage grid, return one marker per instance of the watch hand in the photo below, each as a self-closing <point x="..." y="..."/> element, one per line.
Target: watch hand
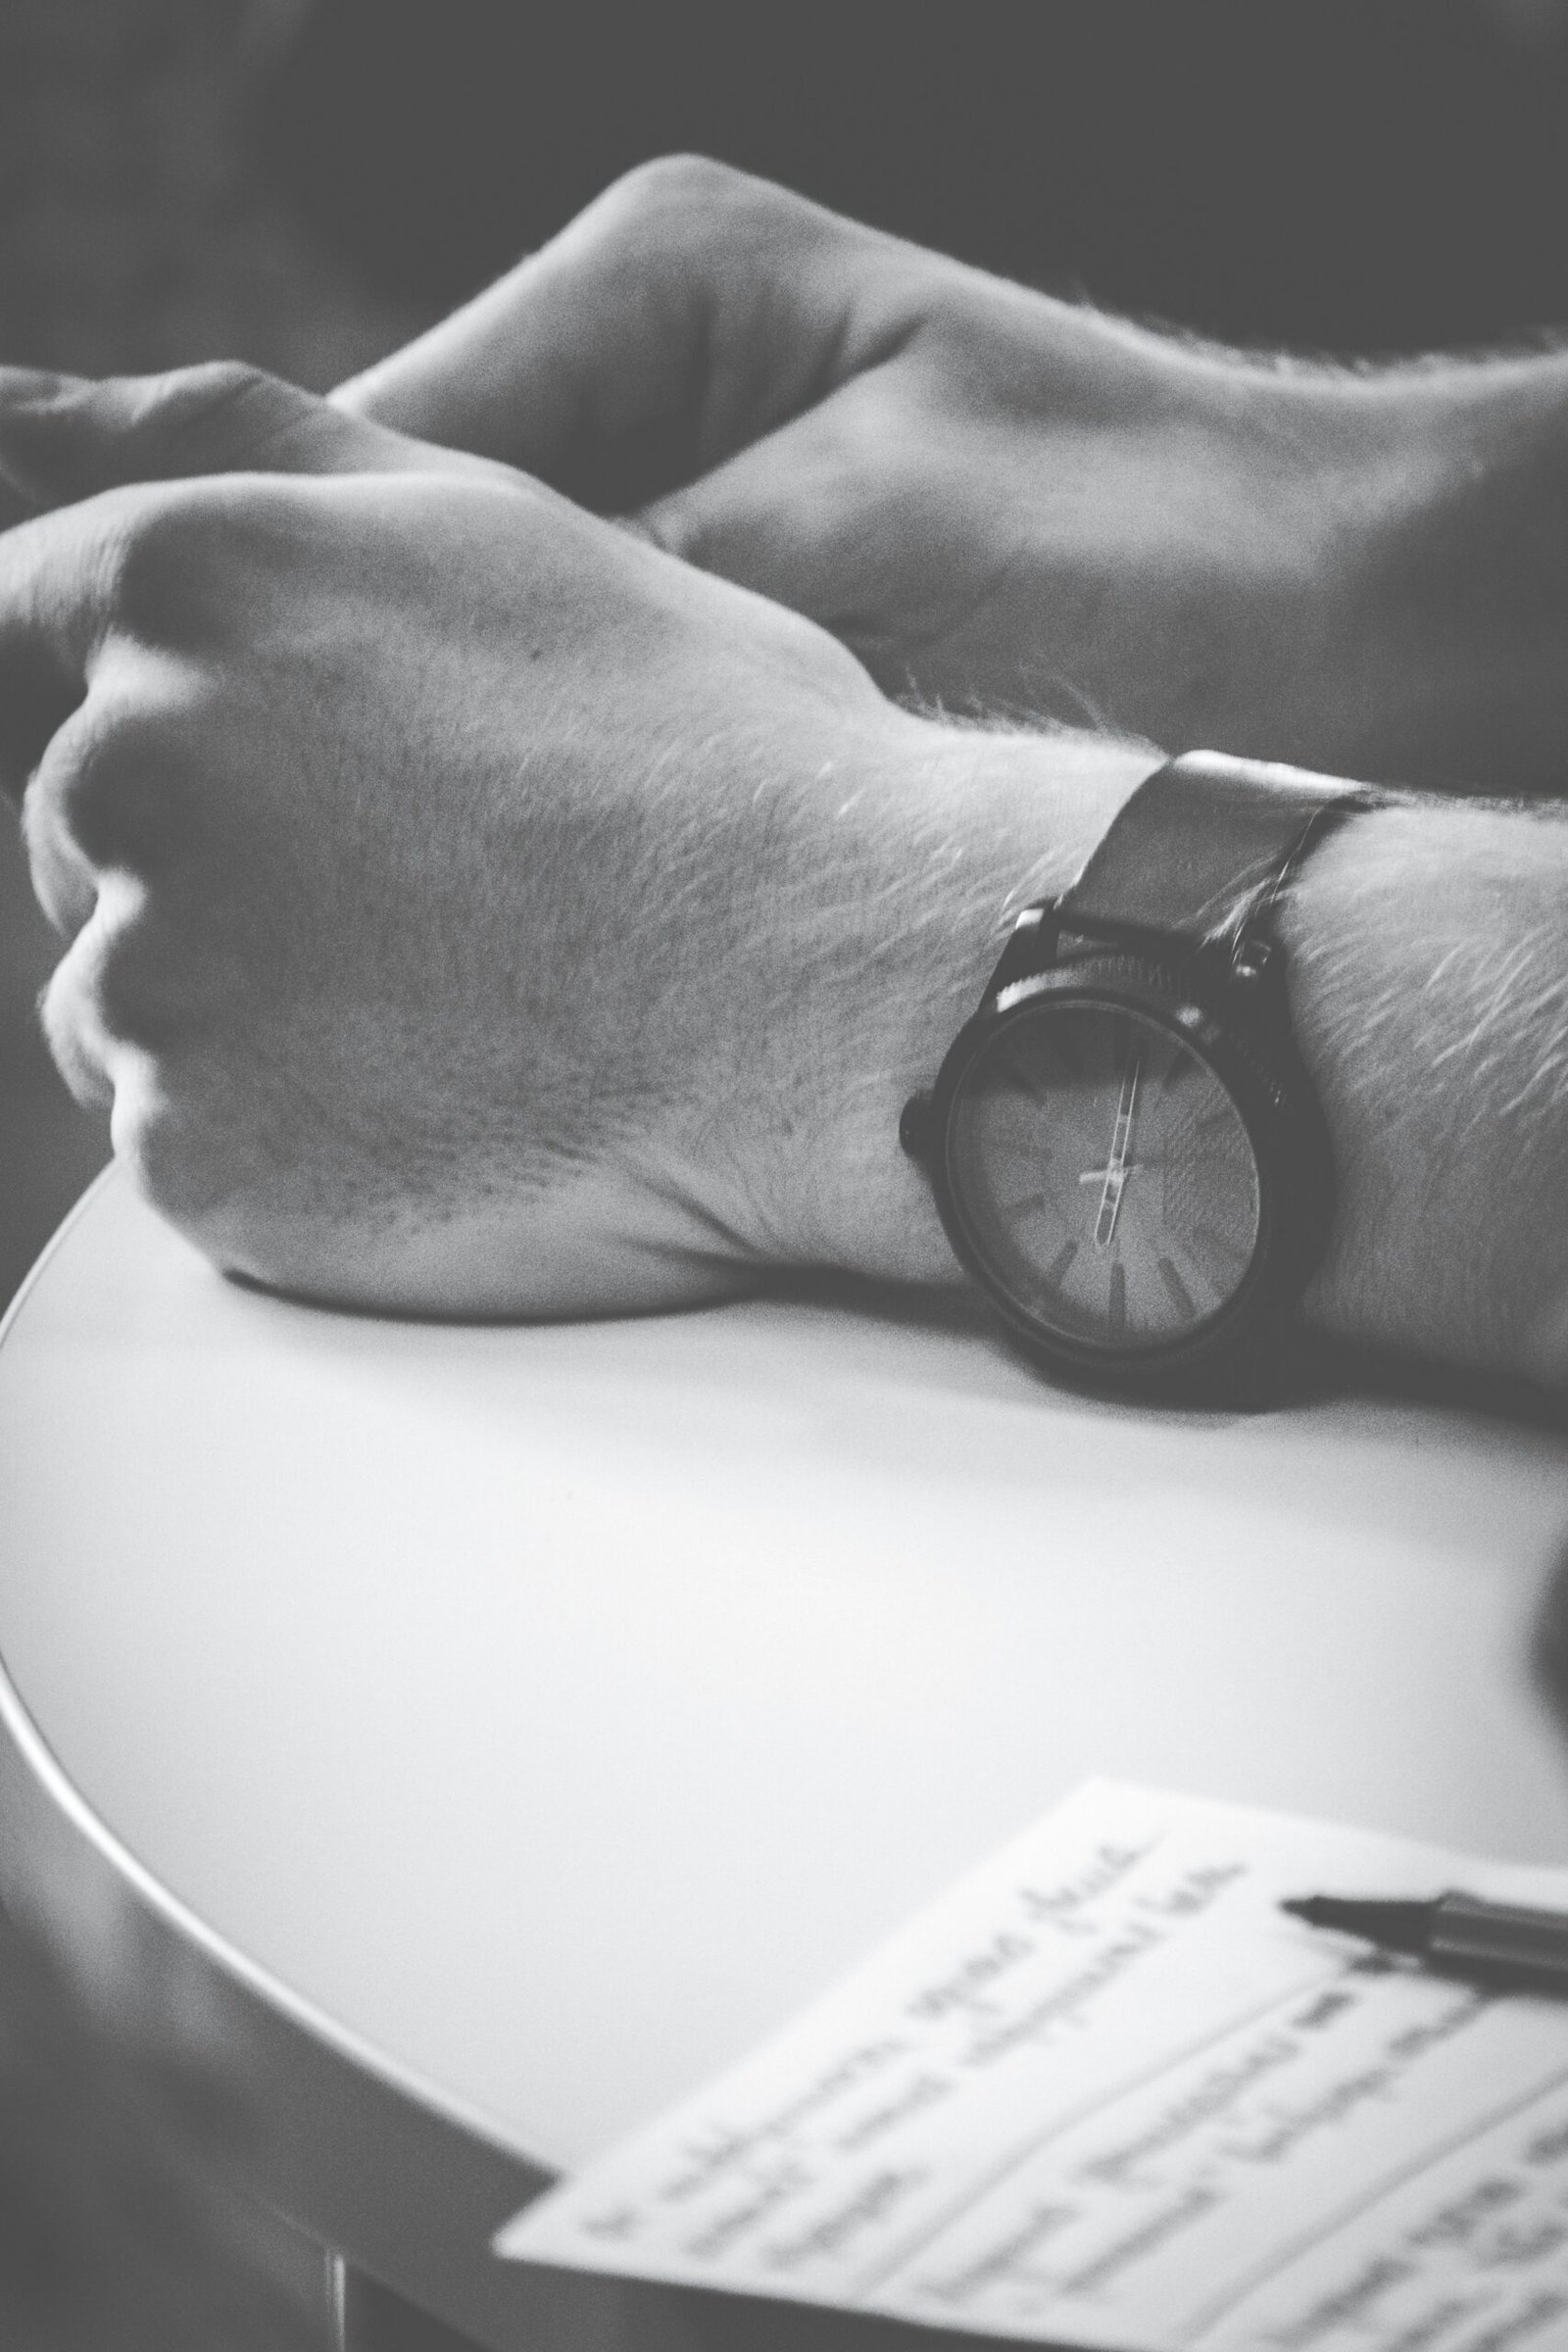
<point x="1109" y="1207"/>
<point x="1133" y="1167"/>
<point x="1116" y="1164"/>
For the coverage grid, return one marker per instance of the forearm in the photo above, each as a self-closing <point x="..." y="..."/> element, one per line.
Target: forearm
<point x="1361" y="570"/>
<point x="1430" y="985"/>
<point x="1441" y="624"/>
<point x="1001" y="501"/>
<point x="625" y="914"/>
<point x="1428" y="971"/>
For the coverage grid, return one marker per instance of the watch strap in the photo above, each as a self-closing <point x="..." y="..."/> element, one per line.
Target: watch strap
<point x="1201" y="848"/>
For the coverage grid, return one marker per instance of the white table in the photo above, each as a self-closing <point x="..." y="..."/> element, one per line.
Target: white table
<point x="488" y="1732"/>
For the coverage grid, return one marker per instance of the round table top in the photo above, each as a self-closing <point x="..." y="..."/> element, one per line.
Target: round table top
<point x="541" y="1715"/>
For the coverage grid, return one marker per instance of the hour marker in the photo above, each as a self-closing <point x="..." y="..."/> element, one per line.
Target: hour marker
<point x="1059" y="1264"/>
<point x="1116" y="1312"/>
<point x="1066" y="1052"/>
<point x="1025" y="1080"/>
<point x="1181" y="1297"/>
<point x="1220" y="1246"/>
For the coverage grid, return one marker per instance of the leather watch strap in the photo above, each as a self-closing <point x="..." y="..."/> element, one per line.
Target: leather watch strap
<point x="1202" y="846"/>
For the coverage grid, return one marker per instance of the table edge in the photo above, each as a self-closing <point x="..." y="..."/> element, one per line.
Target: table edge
<point x="315" y="2100"/>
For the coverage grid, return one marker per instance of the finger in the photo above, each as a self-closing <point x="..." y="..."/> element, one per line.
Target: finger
<point x="73" y="821"/>
<point x="15" y="506"/>
<point x="59" y="592"/>
<point x="688" y="310"/>
<point x="62" y="880"/>
<point x="118" y="789"/>
<point x="107" y="1035"/>
<point x="810" y="516"/>
<point x="83" y="1050"/>
<point x="65" y="438"/>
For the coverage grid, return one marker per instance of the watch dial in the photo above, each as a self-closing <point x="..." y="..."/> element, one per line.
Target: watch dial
<point x="1104" y="1175"/>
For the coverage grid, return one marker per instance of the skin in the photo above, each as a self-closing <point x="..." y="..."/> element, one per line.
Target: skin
<point x="469" y="904"/>
<point x="474" y="906"/>
<point x="1004" y="502"/>
<point x="468" y="901"/>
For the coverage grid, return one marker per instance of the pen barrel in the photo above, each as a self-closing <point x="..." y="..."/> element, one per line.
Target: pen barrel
<point x="1500" y="1940"/>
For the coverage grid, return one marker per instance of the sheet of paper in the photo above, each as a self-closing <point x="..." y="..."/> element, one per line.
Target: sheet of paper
<point x="1104" y="2092"/>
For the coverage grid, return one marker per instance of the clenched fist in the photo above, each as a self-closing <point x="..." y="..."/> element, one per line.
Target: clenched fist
<point x="471" y="906"/>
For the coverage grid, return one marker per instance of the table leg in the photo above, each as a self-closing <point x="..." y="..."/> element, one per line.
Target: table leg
<point x="369" y="2318"/>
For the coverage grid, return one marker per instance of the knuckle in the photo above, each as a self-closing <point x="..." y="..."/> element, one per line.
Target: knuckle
<point x="71" y="1032"/>
<point x="210" y="385"/>
<point x="682" y="187"/>
<point x="154" y="558"/>
<point x="119" y="983"/>
<point x="223" y="400"/>
<point x="62" y="881"/>
<point x="74" y="788"/>
<point x="164" y="1144"/>
<point x="177" y="559"/>
<point x="132" y="996"/>
<point x="143" y="428"/>
<point x="113" y="785"/>
<point x="681" y="212"/>
<point x="683" y="178"/>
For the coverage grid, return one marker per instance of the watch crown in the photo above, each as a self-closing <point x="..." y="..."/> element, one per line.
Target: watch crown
<point x="1250" y="957"/>
<point x="914" y="1127"/>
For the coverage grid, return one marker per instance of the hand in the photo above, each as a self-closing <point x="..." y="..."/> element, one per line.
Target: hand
<point x="998" y="500"/>
<point x="471" y="906"/>
<point x="473" y="909"/>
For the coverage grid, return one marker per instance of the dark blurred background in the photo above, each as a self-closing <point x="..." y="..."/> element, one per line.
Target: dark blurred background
<point x="1344" y="174"/>
<point x="305" y="182"/>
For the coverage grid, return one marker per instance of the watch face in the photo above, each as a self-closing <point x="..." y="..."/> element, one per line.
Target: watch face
<point x="1103" y="1176"/>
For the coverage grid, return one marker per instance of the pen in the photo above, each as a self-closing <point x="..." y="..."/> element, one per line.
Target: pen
<point x="1455" y="1931"/>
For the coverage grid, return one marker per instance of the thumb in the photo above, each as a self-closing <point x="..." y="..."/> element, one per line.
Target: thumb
<point x="66" y="437"/>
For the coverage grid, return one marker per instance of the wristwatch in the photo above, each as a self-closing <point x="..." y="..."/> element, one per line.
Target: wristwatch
<point x="1123" y="1142"/>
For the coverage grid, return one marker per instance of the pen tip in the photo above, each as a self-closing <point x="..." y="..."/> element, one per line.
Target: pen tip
<point x="1399" y="1926"/>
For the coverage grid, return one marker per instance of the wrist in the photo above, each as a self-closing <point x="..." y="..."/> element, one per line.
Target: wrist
<point x="1304" y="626"/>
<point x="926" y="848"/>
<point x="1463" y="578"/>
<point x="1195" y="544"/>
<point x="1362" y="573"/>
<point x="1424" y="967"/>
